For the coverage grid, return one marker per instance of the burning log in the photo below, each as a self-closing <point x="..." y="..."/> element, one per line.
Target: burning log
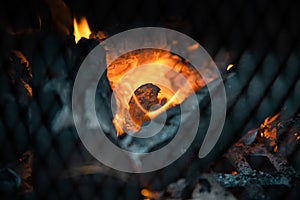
<point x="54" y="137"/>
<point x="179" y="77"/>
<point x="143" y="99"/>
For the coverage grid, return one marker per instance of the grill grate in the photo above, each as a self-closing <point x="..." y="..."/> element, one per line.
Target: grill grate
<point x="39" y="61"/>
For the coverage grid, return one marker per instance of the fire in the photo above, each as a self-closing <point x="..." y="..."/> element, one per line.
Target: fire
<point x="265" y="127"/>
<point x="136" y="95"/>
<point x="229" y="67"/>
<point x="149" y="194"/>
<point x="81" y="29"/>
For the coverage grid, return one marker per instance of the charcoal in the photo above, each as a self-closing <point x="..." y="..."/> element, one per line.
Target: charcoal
<point x="147" y="97"/>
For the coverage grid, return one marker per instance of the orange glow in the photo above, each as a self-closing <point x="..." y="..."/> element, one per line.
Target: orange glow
<point x="297" y="136"/>
<point x="81" y="29"/>
<point x="229" y="67"/>
<point x="265" y="127"/>
<point x="149" y="194"/>
<point x="24" y="61"/>
<point x="174" y="93"/>
<point x="27" y="87"/>
<point x="193" y="47"/>
<point x="269" y="131"/>
<point x="261" y="134"/>
<point x="145" y="192"/>
<point x="270" y="120"/>
<point x="234" y="172"/>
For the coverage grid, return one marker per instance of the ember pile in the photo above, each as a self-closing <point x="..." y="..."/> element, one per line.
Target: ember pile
<point x="256" y="48"/>
<point x="251" y="169"/>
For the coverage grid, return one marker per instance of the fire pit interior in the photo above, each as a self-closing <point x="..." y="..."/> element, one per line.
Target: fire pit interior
<point x="255" y="45"/>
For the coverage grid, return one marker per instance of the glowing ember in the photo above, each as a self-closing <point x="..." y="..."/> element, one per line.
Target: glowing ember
<point x="27" y="87"/>
<point x="81" y="29"/>
<point x="265" y="127"/>
<point x="297" y="136"/>
<point x="24" y="61"/>
<point x="141" y="102"/>
<point x="229" y="67"/>
<point x="179" y="78"/>
<point x="26" y="64"/>
<point x="149" y="194"/>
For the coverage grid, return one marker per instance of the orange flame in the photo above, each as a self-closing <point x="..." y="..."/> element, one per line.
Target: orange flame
<point x="149" y="194"/>
<point x="172" y="75"/>
<point x="264" y="127"/>
<point x="81" y="29"/>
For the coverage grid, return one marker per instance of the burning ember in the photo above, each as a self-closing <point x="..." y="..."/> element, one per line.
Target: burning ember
<point x="229" y="67"/>
<point x="137" y="96"/>
<point x="268" y="131"/>
<point x="81" y="29"/>
<point x="265" y="127"/>
<point x="21" y="72"/>
<point x="42" y="153"/>
<point x="149" y="194"/>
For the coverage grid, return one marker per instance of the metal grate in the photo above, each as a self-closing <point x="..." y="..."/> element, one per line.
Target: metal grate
<point x="39" y="61"/>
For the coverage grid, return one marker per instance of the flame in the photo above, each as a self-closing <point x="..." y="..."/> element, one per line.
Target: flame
<point x="145" y="192"/>
<point x="269" y="131"/>
<point x="149" y="194"/>
<point x="131" y="69"/>
<point x="234" y="172"/>
<point x="229" y="67"/>
<point x="81" y="29"/>
<point x="266" y="125"/>
<point x="269" y="120"/>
